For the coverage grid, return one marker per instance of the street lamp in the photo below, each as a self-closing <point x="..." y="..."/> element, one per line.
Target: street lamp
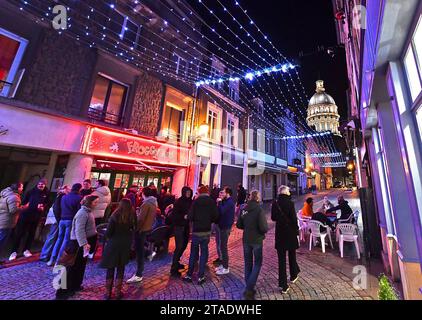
<point x="203" y="130"/>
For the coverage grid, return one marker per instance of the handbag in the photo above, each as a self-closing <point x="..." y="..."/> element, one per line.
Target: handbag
<point x="51" y="218"/>
<point x="68" y="257"/>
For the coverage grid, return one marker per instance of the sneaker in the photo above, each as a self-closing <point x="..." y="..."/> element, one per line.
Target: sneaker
<point x="134" y="279"/>
<point x="201" y="280"/>
<point x="223" y="271"/>
<point x="27" y="254"/>
<point x="285" y="290"/>
<point x="294" y="279"/>
<point x="50" y="263"/>
<point x="13" y="256"/>
<point x="153" y="254"/>
<point x="249" y="295"/>
<point x="187" y="279"/>
<point x="218" y="268"/>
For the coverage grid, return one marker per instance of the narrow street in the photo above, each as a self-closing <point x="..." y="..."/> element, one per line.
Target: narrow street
<point x="323" y="277"/>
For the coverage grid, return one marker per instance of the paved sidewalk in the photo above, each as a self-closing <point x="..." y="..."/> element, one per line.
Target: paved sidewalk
<point x="323" y="277"/>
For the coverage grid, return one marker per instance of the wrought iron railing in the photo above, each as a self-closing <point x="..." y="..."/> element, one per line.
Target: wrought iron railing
<point x="103" y="116"/>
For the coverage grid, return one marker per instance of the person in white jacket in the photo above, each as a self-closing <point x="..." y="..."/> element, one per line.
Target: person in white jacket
<point x="104" y="199"/>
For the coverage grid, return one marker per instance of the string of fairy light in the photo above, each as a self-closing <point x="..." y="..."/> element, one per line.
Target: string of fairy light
<point x="156" y="57"/>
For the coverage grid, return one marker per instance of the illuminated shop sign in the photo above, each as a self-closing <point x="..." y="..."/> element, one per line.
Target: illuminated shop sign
<point x="109" y="144"/>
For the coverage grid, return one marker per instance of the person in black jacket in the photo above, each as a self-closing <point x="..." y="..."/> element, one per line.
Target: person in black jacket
<point x="116" y="252"/>
<point x="253" y="222"/>
<point x="28" y="221"/>
<point x="286" y="231"/>
<point x="226" y="208"/>
<point x="202" y="214"/>
<point x="241" y="195"/>
<point x="180" y="226"/>
<point x="343" y="206"/>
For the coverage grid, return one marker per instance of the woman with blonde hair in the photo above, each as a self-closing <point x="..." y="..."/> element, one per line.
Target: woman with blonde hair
<point x="253" y="222"/>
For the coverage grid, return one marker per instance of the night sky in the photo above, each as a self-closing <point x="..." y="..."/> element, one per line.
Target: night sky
<point x="298" y="25"/>
<point x="294" y="26"/>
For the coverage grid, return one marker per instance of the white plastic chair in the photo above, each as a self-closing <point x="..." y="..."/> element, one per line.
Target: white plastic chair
<point x="348" y="232"/>
<point x="356" y="215"/>
<point x="302" y="230"/>
<point x="315" y="227"/>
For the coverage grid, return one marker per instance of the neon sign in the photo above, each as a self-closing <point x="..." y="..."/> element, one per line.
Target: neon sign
<point x="104" y="143"/>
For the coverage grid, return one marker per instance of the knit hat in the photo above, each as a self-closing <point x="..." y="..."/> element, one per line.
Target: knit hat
<point x="203" y="189"/>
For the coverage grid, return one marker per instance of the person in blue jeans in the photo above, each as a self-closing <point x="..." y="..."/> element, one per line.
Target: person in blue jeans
<point x="53" y="219"/>
<point x="70" y="204"/>
<point x="203" y="213"/>
<point x="253" y="222"/>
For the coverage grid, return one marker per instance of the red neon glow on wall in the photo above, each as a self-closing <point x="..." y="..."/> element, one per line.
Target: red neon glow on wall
<point x="111" y="144"/>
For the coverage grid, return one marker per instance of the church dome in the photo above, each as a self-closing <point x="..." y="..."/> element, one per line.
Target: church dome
<point x="321" y="98"/>
<point x="322" y="111"/>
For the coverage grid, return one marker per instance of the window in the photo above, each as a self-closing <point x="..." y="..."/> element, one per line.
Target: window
<point x="174" y="126"/>
<point x="413" y="62"/>
<point x="419" y="119"/>
<point x="269" y="147"/>
<point x="232" y="127"/>
<point x="108" y="100"/>
<point x="212" y="122"/>
<point x="12" y="48"/>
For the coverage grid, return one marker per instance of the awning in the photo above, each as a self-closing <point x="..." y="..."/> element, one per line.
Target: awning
<point x="129" y="166"/>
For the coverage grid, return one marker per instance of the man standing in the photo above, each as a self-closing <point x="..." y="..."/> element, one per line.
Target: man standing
<point x="38" y="202"/>
<point x="10" y="206"/>
<point x="286" y="231"/>
<point x="86" y="188"/>
<point x="226" y="208"/>
<point x="241" y="195"/>
<point x="203" y="213"/>
<point x="145" y="221"/>
<point x="180" y="225"/>
<point x="132" y="195"/>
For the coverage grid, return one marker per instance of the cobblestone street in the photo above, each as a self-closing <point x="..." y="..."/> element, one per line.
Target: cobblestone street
<point x="324" y="276"/>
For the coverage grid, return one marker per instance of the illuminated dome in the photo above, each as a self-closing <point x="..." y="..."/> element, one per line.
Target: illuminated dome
<point x="322" y="111"/>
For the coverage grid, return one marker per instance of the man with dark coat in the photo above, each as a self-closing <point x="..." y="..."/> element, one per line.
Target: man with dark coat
<point x="38" y="202"/>
<point x="202" y="214"/>
<point x="241" y="195"/>
<point x="226" y="208"/>
<point x="343" y="206"/>
<point x="286" y="231"/>
<point x="180" y="223"/>
<point x="132" y="195"/>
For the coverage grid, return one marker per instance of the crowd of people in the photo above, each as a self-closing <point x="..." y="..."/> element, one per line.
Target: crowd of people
<point x="77" y="211"/>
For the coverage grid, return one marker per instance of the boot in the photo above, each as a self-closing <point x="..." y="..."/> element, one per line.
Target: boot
<point x="109" y="288"/>
<point x="119" y="285"/>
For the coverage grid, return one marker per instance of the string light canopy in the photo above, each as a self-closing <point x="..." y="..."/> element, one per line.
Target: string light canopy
<point x="156" y="58"/>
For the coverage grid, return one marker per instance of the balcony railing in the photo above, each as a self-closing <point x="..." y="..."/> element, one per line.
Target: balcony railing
<point x="103" y="116"/>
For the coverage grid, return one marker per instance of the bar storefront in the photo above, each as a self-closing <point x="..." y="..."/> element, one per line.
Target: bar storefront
<point x="124" y="159"/>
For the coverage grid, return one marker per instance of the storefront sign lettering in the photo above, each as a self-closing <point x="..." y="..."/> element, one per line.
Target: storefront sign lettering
<point x="106" y="143"/>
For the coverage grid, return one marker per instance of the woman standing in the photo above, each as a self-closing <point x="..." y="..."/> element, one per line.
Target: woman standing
<point x="116" y="252"/>
<point x="253" y="222"/>
<point x="286" y="231"/>
<point x="82" y="237"/>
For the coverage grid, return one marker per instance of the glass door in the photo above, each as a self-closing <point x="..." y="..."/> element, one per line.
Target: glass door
<point x="120" y="186"/>
<point x="139" y="180"/>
